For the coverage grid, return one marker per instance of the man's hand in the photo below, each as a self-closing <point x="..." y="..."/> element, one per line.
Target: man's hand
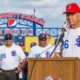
<point x="18" y="71"/>
<point x="57" y="54"/>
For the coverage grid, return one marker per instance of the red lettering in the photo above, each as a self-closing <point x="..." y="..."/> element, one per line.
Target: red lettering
<point x="6" y="31"/>
<point x="17" y="31"/>
<point x="23" y="16"/>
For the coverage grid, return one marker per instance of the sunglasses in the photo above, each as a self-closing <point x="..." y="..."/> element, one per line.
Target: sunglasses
<point x="42" y="39"/>
<point x="8" y="39"/>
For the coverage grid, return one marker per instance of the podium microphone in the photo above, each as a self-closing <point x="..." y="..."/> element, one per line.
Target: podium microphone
<point x="65" y="27"/>
<point x="58" y="41"/>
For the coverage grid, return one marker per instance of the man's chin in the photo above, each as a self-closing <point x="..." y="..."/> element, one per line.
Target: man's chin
<point x="8" y="44"/>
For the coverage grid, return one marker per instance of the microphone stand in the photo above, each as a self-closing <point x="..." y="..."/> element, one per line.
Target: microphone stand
<point x="59" y="40"/>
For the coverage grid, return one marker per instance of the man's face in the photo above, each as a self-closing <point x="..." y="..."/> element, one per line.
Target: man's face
<point x="8" y="42"/>
<point x="42" y="42"/>
<point x="73" y="19"/>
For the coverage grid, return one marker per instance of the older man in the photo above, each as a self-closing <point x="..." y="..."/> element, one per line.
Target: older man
<point x="71" y="39"/>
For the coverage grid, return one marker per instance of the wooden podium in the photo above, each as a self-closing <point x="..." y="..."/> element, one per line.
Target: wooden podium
<point x="57" y="68"/>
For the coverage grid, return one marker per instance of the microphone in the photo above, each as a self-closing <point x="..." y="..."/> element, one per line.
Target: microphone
<point x="66" y="26"/>
<point x="61" y="37"/>
<point x="63" y="30"/>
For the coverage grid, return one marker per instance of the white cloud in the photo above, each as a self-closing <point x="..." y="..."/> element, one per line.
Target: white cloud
<point x="50" y="10"/>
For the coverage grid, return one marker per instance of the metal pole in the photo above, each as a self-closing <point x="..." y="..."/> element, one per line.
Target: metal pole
<point x="34" y="25"/>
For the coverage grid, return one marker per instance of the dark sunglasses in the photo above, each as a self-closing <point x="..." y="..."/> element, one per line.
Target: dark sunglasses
<point x="42" y="39"/>
<point x="8" y="39"/>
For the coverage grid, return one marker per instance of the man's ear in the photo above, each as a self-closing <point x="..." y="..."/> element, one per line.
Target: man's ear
<point x="79" y="18"/>
<point x="79" y="15"/>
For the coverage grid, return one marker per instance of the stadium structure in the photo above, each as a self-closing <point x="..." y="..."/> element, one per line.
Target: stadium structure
<point x="21" y="25"/>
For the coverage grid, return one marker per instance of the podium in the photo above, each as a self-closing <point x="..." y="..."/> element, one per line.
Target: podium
<point x="57" y="68"/>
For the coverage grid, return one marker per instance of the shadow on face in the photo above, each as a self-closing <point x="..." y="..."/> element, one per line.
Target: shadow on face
<point x="42" y="42"/>
<point x="8" y="42"/>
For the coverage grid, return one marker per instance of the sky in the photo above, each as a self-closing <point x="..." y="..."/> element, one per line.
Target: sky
<point x="50" y="10"/>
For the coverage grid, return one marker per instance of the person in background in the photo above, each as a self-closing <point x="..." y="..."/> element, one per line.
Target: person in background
<point x="23" y="48"/>
<point x="25" y="69"/>
<point x="10" y="54"/>
<point x="33" y="44"/>
<point x="42" y="49"/>
<point x="71" y="39"/>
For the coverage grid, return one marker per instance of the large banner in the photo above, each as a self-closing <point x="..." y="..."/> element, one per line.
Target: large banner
<point x="19" y="25"/>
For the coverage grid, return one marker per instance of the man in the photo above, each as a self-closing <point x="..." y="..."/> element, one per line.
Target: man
<point x="25" y="69"/>
<point x="43" y="49"/>
<point x="71" y="39"/>
<point x="22" y="45"/>
<point x="12" y="59"/>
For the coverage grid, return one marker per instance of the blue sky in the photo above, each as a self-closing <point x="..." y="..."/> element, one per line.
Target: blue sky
<point x="50" y="10"/>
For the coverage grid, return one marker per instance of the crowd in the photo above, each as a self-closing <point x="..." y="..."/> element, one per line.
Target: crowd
<point x="14" y="58"/>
